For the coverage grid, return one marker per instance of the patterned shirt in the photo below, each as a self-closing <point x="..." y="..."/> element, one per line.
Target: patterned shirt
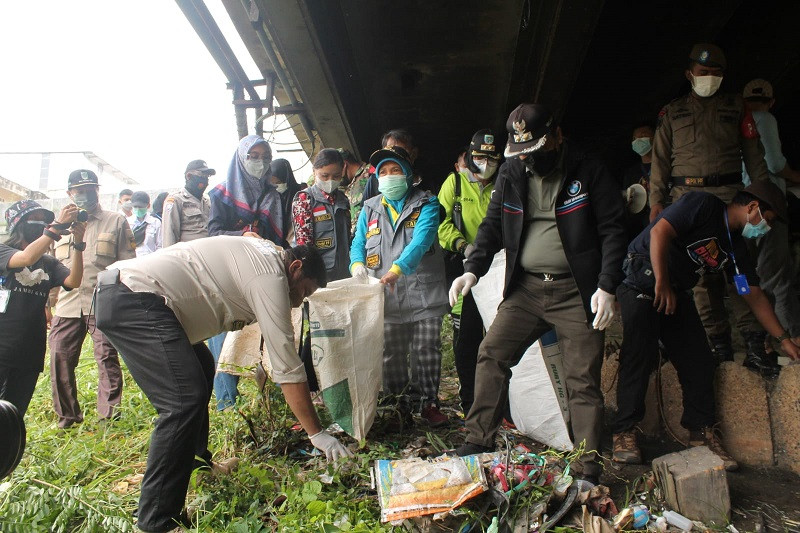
<point x="302" y="217"/>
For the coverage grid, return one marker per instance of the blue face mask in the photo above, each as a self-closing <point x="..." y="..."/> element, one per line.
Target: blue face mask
<point x="393" y="186"/>
<point x="756" y="231"/>
<point x="642" y="145"/>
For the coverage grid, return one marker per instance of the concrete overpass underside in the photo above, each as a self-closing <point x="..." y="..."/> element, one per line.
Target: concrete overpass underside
<point x="443" y="69"/>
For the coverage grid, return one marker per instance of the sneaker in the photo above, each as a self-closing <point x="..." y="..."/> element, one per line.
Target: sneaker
<point x="626" y="449"/>
<point x="224" y="467"/>
<point x="469" y="448"/>
<point x="709" y="436"/>
<point x="433" y="416"/>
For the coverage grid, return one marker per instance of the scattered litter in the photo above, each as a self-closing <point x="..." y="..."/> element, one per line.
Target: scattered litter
<point x="417" y="487"/>
<point x="678" y="520"/>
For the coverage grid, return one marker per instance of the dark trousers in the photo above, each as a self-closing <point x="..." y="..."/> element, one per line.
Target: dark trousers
<point x="177" y="377"/>
<point x="66" y="339"/>
<point x="17" y="385"/>
<point x="684" y="339"/>
<point x="467" y="338"/>
<point x="532" y="308"/>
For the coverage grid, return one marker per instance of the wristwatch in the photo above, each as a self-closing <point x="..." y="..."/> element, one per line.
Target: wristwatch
<point x="80" y="246"/>
<point x="783" y="337"/>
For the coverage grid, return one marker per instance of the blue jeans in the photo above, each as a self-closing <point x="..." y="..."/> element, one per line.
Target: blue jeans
<point x="224" y="384"/>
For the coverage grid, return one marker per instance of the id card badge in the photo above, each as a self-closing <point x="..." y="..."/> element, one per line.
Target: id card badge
<point x="5" y="296"/>
<point x="742" y="287"/>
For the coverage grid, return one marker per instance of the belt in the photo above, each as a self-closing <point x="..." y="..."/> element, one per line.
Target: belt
<point x="714" y="180"/>
<point x="550" y="277"/>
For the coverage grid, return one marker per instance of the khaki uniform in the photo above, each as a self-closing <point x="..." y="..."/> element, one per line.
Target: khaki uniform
<point x="702" y="138"/>
<point x="185" y="218"/>
<point x="224" y="283"/>
<point x="108" y="239"/>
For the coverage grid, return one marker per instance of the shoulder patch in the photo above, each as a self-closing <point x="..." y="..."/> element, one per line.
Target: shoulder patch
<point x="661" y="115"/>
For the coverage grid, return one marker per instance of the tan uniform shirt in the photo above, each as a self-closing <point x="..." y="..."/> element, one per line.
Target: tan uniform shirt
<point x="108" y="238"/>
<point x="221" y="284"/>
<point x="700" y="137"/>
<point x="185" y="218"/>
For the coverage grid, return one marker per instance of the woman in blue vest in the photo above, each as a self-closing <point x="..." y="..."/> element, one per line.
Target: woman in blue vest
<point x="321" y="214"/>
<point x="395" y="241"/>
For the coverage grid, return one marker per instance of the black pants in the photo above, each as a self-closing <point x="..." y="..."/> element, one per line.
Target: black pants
<point x="17" y="386"/>
<point x="467" y="338"/>
<point x="177" y="377"/>
<point x="685" y="341"/>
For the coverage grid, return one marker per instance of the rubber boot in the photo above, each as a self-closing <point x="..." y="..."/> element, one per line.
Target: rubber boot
<point x="757" y="358"/>
<point x="721" y="348"/>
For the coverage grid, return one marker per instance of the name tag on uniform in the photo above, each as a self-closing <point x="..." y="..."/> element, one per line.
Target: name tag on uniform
<point x="373" y="231"/>
<point x="373" y="260"/>
<point x="320" y="214"/>
<point x="410" y="223"/>
<point x="322" y="218"/>
<point x="324" y="243"/>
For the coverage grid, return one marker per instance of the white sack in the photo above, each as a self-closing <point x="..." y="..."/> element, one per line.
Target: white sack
<point x="346" y="321"/>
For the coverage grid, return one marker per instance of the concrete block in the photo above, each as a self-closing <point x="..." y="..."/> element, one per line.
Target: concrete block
<point x="672" y="395"/>
<point x="785" y="411"/>
<point x="743" y="414"/>
<point x="695" y="484"/>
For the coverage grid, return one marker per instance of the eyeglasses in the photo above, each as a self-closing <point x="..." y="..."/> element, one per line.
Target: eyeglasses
<point x="251" y="157"/>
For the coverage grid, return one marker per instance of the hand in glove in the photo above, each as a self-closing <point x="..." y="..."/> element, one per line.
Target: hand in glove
<point x="361" y="273"/>
<point x="329" y="444"/>
<point x="462" y="284"/>
<point x="603" y="307"/>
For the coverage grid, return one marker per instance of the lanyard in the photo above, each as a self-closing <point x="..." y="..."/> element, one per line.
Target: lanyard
<point x="728" y="230"/>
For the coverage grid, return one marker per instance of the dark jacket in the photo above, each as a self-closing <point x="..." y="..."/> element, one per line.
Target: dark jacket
<point x="589" y="218"/>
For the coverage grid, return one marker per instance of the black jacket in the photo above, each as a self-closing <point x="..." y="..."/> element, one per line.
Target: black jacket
<point x="589" y="218"/>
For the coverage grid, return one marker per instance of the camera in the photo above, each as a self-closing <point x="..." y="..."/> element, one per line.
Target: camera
<point x="83" y="215"/>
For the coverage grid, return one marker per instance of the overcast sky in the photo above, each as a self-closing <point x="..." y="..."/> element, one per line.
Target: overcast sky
<point x="130" y="81"/>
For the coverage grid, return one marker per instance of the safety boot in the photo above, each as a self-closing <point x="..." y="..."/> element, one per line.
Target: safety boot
<point x="721" y="348"/>
<point x="757" y="357"/>
<point x="626" y="449"/>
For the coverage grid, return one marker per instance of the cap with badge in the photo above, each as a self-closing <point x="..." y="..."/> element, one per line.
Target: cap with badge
<point x="766" y="191"/>
<point x="392" y="153"/>
<point x="758" y="88"/>
<point x="708" y="55"/>
<point x="82" y="178"/>
<point x="18" y="210"/>
<point x="528" y="128"/>
<point x="198" y="166"/>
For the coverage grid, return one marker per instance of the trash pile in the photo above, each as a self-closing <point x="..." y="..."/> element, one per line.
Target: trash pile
<point x="514" y="491"/>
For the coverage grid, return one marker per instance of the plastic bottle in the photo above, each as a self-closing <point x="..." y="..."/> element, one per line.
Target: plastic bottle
<point x="641" y="516"/>
<point x="678" y="520"/>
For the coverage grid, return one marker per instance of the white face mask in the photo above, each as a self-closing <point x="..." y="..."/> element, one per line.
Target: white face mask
<point x="486" y="169"/>
<point x="281" y="188"/>
<point x="328" y="186"/>
<point x="706" y="86"/>
<point x="256" y="167"/>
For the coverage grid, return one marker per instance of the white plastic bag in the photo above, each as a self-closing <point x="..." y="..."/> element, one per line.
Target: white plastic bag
<point x="346" y="322"/>
<point x="534" y="405"/>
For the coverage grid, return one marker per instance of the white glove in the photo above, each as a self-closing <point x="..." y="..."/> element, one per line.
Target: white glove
<point x="361" y="273"/>
<point x="603" y="307"/>
<point x="468" y="250"/>
<point x="329" y="444"/>
<point x="462" y="284"/>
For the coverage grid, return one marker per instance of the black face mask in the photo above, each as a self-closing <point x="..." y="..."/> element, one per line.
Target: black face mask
<point x="32" y="230"/>
<point x="541" y="163"/>
<point x="85" y="199"/>
<point x="196" y="185"/>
